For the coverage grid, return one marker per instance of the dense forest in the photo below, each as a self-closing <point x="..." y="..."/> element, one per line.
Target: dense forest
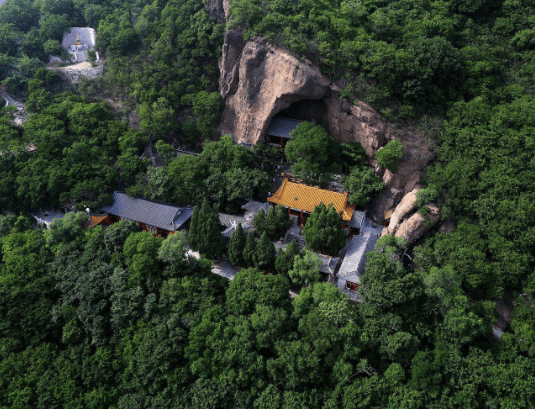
<point x="118" y="318"/>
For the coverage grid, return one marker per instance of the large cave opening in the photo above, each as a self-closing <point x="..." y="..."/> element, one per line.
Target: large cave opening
<point x="285" y="121"/>
<point x="307" y="110"/>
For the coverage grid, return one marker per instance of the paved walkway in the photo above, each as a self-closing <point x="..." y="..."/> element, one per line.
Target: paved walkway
<point x="222" y="267"/>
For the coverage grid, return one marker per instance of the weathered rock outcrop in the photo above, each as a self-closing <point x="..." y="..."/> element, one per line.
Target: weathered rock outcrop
<point x="217" y="9"/>
<point x="258" y="80"/>
<point x="413" y="228"/>
<point x="405" y="207"/>
<point x="20" y="116"/>
<point x="410" y="225"/>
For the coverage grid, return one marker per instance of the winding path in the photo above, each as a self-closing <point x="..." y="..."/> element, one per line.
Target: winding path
<point x="20" y="116"/>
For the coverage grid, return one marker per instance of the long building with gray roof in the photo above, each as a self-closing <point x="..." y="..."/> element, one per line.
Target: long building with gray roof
<point x="168" y="218"/>
<point x="354" y="263"/>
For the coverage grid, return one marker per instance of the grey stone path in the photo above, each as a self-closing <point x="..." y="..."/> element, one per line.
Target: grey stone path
<point x="222" y="267"/>
<point x="20" y="116"/>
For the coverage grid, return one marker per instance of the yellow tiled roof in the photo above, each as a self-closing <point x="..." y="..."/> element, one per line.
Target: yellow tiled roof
<point x="305" y="198"/>
<point x="96" y="220"/>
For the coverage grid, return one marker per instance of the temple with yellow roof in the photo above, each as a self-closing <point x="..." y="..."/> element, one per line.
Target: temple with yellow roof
<point x="300" y="200"/>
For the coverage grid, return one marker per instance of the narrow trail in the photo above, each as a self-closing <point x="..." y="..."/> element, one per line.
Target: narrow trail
<point x="20" y="116"/>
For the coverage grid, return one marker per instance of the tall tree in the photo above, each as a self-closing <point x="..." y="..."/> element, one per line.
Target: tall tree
<point x="265" y="253"/>
<point x="306" y="269"/>
<point x="260" y="222"/>
<point x="285" y="260"/>
<point x="278" y="221"/>
<point x="193" y="237"/>
<point x="312" y="153"/>
<point x="323" y="230"/>
<point x="362" y="183"/>
<point x="249" y="251"/>
<point x="209" y="238"/>
<point x="236" y="246"/>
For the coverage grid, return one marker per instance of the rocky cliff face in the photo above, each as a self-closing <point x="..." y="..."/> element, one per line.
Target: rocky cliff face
<point x="258" y="81"/>
<point x="217" y="9"/>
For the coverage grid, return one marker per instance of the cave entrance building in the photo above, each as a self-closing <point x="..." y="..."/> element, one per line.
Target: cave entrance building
<point x="300" y="201"/>
<point x="278" y="132"/>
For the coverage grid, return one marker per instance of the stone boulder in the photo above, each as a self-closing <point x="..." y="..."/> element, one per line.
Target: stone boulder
<point x="410" y="225"/>
<point x="405" y="207"/>
<point x="413" y="228"/>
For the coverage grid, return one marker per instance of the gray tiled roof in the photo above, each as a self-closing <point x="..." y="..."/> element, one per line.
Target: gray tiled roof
<point x="328" y="264"/>
<point x="163" y="216"/>
<point x="86" y="35"/>
<point x="354" y="262"/>
<point x="356" y="219"/>
<point x="255" y="206"/>
<point x="282" y="127"/>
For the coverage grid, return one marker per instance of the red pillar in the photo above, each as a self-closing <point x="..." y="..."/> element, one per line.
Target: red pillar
<point x="288" y="211"/>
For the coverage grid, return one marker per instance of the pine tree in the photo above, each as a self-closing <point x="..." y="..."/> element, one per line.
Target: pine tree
<point x="260" y="222"/>
<point x="194" y="229"/>
<point x="278" y="222"/>
<point x="249" y="252"/>
<point x="285" y="260"/>
<point x="265" y="253"/>
<point x="323" y="230"/>
<point x="203" y="239"/>
<point x="236" y="246"/>
<point x="210" y="239"/>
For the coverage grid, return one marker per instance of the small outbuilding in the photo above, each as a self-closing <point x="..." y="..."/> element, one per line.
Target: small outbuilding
<point x="354" y="263"/>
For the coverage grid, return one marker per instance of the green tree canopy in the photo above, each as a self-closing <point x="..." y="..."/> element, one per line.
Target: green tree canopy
<point x="390" y="155"/>
<point x="265" y="253"/>
<point x="306" y="269"/>
<point x="312" y="153"/>
<point x="323" y="230"/>
<point x="236" y="246"/>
